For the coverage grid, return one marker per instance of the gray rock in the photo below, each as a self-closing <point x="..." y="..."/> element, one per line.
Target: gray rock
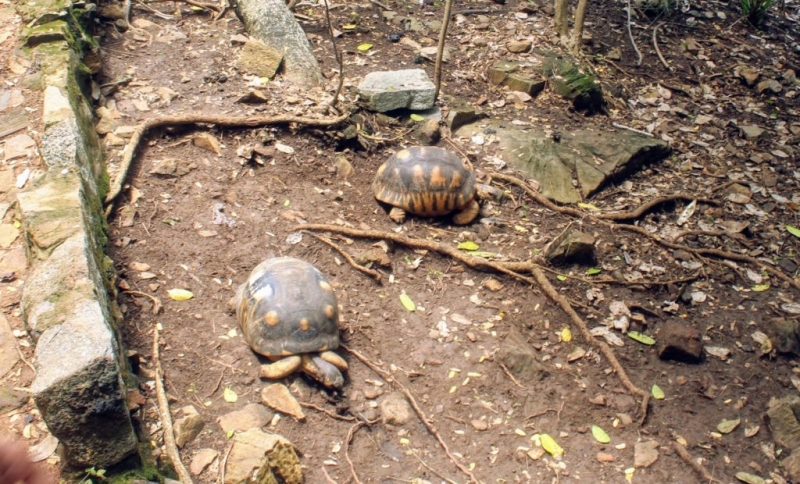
<point x="259" y="59"/>
<point x="748" y="74"/>
<point x="769" y="85"/>
<point x="187" y="429"/>
<point x="783" y="334"/>
<point x="520" y="359"/>
<point x="572" y="83"/>
<point x="571" y="246"/>
<point x="645" y="453"/>
<point x="516" y="78"/>
<point x="395" y="410"/>
<point x="461" y="113"/>
<point x="752" y="131"/>
<point x="389" y="90"/>
<point x="791" y="465"/>
<point x="782" y="420"/>
<point x="271" y="457"/>
<point x="679" y="342"/>
<point x="8" y="347"/>
<point x="11" y="399"/>
<point x="251" y="416"/>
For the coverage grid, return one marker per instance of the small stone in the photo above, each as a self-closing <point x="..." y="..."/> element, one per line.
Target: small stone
<point x="113" y="140"/>
<point x="187" y="429"/>
<point x="519" y="46"/>
<point x="372" y="393"/>
<point x="201" y="460"/>
<point x="691" y="46"/>
<point x="251" y="416"/>
<point x="571" y="246"/>
<point x="493" y="284"/>
<point x="789" y="77"/>
<point x="344" y="169"/>
<point x="427" y="133"/>
<point x="207" y="141"/>
<point x="782" y="419"/>
<point x="11" y="399"/>
<point x="604" y="457"/>
<point x="18" y="146"/>
<point x="8" y="234"/>
<point x="171" y="167"/>
<point x="374" y="256"/>
<point x="479" y="425"/>
<point x="625" y="418"/>
<point x="645" y="453"/>
<point x="752" y="131"/>
<point x="783" y="335"/>
<point x="769" y="85"/>
<point x="519" y="357"/>
<point x="748" y="74"/>
<point x="679" y="342"/>
<point x="738" y="193"/>
<point x="395" y="410"/>
<point x="599" y="400"/>
<point x="280" y="399"/>
<point x="389" y="90"/>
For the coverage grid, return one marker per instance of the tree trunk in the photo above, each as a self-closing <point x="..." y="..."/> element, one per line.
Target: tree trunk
<point x="577" y="29"/>
<point x="271" y="22"/>
<point x="562" y="26"/>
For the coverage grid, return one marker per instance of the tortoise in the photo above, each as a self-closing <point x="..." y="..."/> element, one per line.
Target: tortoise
<point x="427" y="181"/>
<point x="287" y="311"/>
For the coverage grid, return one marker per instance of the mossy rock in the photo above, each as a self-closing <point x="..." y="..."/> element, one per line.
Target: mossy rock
<point x="569" y="81"/>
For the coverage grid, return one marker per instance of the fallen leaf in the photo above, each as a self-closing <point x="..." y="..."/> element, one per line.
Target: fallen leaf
<point x="407" y="303"/>
<point x="593" y="271"/>
<point x="641" y="337"/>
<point x="600" y="435"/>
<point x="549" y="444"/>
<point x="750" y="478"/>
<point x="793" y="230"/>
<point x="728" y="426"/>
<point x="43" y="449"/>
<point x="364" y="47"/>
<point x="229" y="395"/>
<point x="468" y="245"/>
<point x="566" y="335"/>
<point x="657" y="392"/>
<point x="180" y="294"/>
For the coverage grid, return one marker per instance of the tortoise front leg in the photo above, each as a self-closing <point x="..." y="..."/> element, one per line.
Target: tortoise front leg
<point x="397" y="214"/>
<point x="322" y="371"/>
<point x="281" y="368"/>
<point x="468" y="213"/>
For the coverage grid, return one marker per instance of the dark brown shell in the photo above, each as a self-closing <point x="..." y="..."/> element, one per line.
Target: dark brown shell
<point x="287" y="307"/>
<point x="425" y="181"/>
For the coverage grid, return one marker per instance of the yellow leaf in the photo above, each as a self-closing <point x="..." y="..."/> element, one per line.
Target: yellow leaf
<point x="468" y="245"/>
<point x="589" y="206"/>
<point x="550" y="445"/>
<point x="629" y="474"/>
<point x="17" y="224"/>
<point x="180" y="294"/>
<point x="229" y="395"/>
<point x="760" y="287"/>
<point x="364" y="47"/>
<point x="417" y="118"/>
<point x="407" y="303"/>
<point x="641" y="338"/>
<point x="561" y="277"/>
<point x="600" y="435"/>
<point x="657" y="392"/>
<point x="728" y="426"/>
<point x="349" y="27"/>
<point x="566" y="335"/>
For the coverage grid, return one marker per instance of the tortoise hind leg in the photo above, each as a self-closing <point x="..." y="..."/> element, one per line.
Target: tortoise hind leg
<point x="322" y="371"/>
<point x="281" y="368"/>
<point x="397" y="214"/>
<point x="468" y="213"/>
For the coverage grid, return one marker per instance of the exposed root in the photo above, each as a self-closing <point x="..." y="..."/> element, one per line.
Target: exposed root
<point x="658" y="51"/>
<point x="510" y="376"/>
<point x="223" y="121"/>
<point x="328" y="413"/>
<point x="366" y="270"/>
<point x="413" y="402"/>
<point x="350" y="434"/>
<point x="684" y="454"/>
<point x="156" y="301"/>
<point x="166" y="418"/>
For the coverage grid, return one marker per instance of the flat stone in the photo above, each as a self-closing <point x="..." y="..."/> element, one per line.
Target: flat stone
<point x="691" y="45"/>
<point x="253" y="415"/>
<point x="11" y="98"/>
<point x="395" y="409"/>
<point x="8" y="234"/>
<point x="8" y="347"/>
<point x="14" y="261"/>
<point x="752" y="131"/>
<point x="389" y="90"/>
<point x="11" y="399"/>
<point x="259" y="59"/>
<point x="187" y="429"/>
<point x="280" y="399"/>
<point x="748" y="74"/>
<point x="782" y="419"/>
<point x="519" y="46"/>
<point x="172" y="167"/>
<point x="207" y="141"/>
<point x="13" y="121"/>
<point x="679" y="342"/>
<point x="572" y="246"/>
<point x="18" y="146"/>
<point x="513" y="76"/>
<point x="202" y="460"/>
<point x="51" y="213"/>
<point x="56" y="106"/>
<point x="8" y="180"/>
<point x="645" y="454"/>
<point x="791" y="465"/>
<point x="519" y="357"/>
<point x="770" y="85"/>
<point x="461" y="113"/>
<point x="270" y="456"/>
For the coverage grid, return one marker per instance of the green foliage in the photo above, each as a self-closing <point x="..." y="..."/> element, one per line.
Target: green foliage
<point x="756" y="10"/>
<point x="657" y="8"/>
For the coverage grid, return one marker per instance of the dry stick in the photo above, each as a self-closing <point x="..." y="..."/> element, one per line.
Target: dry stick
<point x="449" y="481"/>
<point x="510" y="376"/>
<point x="684" y="454"/>
<point x="350" y="434"/>
<point x="224" y="121"/>
<point x="658" y="51"/>
<point x="166" y="417"/>
<point x="366" y="270"/>
<point x="630" y="34"/>
<point x="326" y="412"/>
<point x="479" y="263"/>
<point x="633" y="130"/>
<point x="337" y="55"/>
<point x="647" y="206"/>
<point x="156" y="302"/>
<point x="413" y="402"/>
<point x="437" y="68"/>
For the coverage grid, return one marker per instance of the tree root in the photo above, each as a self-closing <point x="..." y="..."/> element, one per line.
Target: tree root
<point x="366" y="270"/>
<point x="686" y="457"/>
<point x="326" y="412"/>
<point x="223" y="121"/>
<point x="413" y="402"/>
<point x="539" y="279"/>
<point x="166" y="418"/>
<point x="350" y="434"/>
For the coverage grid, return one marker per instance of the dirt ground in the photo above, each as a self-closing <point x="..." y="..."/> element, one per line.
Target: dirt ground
<point x="204" y="231"/>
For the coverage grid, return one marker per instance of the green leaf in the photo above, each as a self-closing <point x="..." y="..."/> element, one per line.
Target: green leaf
<point x="561" y="277"/>
<point x="483" y="254"/>
<point x="600" y="435"/>
<point x="793" y="230"/>
<point x="641" y="338"/>
<point x="417" y="118"/>
<point x="407" y="303"/>
<point x="230" y="433"/>
<point x="468" y="245"/>
<point x="549" y="444"/>
<point x="750" y="478"/>
<point x="728" y="426"/>
<point x="657" y="392"/>
<point x="593" y="271"/>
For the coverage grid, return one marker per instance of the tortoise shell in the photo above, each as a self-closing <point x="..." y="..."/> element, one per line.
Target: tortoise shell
<point x="287" y="307"/>
<point x="425" y="181"/>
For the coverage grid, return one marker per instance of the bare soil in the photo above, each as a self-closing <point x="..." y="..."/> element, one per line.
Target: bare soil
<point x="206" y="230"/>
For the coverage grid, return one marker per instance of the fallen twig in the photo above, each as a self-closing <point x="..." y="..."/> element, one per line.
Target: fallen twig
<point x="328" y="413"/>
<point x="658" y="51"/>
<point x="439" y="475"/>
<point x="633" y="130"/>
<point x="630" y="34"/>
<point x="166" y="417"/>
<point x="350" y="434"/>
<point x="413" y="402"/>
<point x="686" y="457"/>
<point x="510" y="376"/>
<point x="366" y="270"/>
<point x="156" y="302"/>
<point x="223" y="121"/>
